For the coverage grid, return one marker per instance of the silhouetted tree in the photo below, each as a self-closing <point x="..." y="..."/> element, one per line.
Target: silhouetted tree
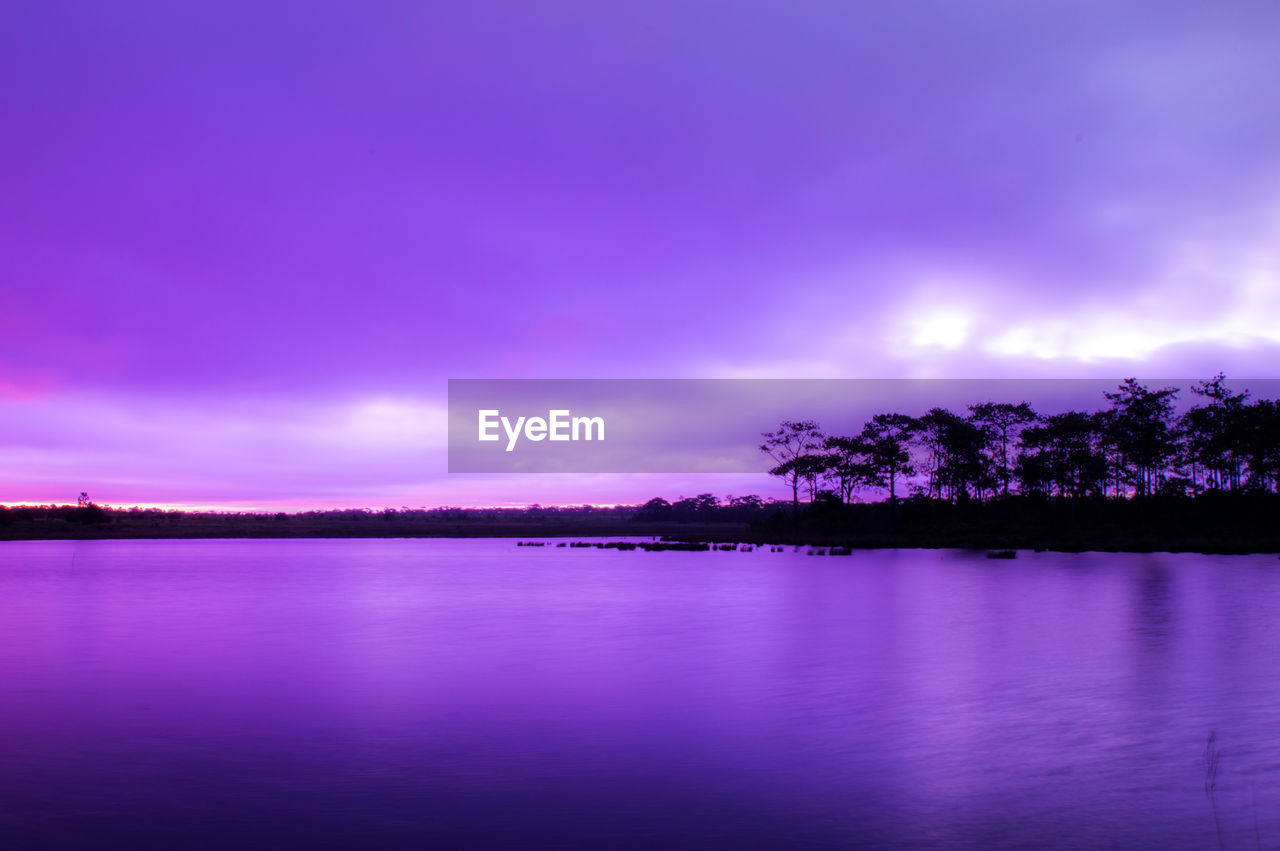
<point x="743" y="507"/>
<point x="956" y="462"/>
<point x="886" y="438"/>
<point x="1077" y="461"/>
<point x="702" y="508"/>
<point x="794" y="440"/>
<point x="1213" y="436"/>
<point x="1261" y="427"/>
<point x="1135" y="447"/>
<point x="1142" y="428"/>
<point x="655" y="509"/>
<point x="1033" y="468"/>
<point x="846" y="465"/>
<point x="812" y="468"/>
<point x="1001" y="423"/>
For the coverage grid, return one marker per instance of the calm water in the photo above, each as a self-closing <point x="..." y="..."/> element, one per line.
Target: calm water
<point x="471" y="693"/>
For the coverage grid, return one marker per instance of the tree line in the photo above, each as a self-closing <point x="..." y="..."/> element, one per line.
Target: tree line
<point x="1138" y="445"/>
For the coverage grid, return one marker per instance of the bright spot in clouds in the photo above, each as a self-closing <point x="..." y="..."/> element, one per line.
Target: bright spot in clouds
<point x="946" y="328"/>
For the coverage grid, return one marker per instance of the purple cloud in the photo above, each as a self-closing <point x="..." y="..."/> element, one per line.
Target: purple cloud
<point x="212" y="205"/>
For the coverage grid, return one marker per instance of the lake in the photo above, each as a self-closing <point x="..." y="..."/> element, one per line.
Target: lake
<point x="472" y="693"/>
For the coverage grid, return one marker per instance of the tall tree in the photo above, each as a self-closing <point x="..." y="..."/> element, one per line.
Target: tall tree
<point x="1064" y="454"/>
<point x="846" y="465"/>
<point x="793" y="441"/>
<point x="1214" y="435"/>
<point x="887" y="437"/>
<point x="954" y="447"/>
<point x="1142" y="423"/>
<point x="1260" y="427"/>
<point x="1001" y="423"/>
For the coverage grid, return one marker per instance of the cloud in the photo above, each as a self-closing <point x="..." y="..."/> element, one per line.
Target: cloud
<point x="233" y="451"/>
<point x="363" y="205"/>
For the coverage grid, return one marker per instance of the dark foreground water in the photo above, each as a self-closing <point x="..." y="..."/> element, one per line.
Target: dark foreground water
<point x="230" y="694"/>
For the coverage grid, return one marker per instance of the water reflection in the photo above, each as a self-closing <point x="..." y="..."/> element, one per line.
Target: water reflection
<point x="402" y="693"/>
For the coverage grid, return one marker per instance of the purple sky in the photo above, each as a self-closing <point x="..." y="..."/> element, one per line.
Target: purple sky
<point x="242" y="249"/>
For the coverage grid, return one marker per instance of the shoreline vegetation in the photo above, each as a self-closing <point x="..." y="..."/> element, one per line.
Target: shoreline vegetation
<point x="1210" y="523"/>
<point x="1136" y="476"/>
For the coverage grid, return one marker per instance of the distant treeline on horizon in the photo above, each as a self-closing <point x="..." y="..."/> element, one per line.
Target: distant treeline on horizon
<point x="702" y="507"/>
<point x="1137" y="446"/>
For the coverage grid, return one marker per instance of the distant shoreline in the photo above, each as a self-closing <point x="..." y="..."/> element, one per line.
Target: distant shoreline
<point x="708" y="533"/>
<point x="1222" y="523"/>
